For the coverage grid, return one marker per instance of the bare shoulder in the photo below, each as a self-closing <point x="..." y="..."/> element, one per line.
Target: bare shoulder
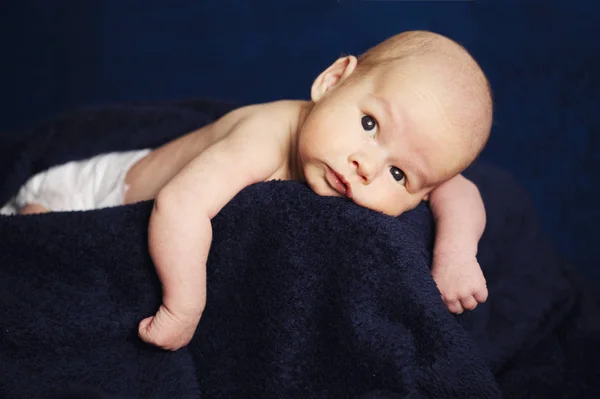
<point x="272" y="118"/>
<point x="275" y="109"/>
<point x="263" y="135"/>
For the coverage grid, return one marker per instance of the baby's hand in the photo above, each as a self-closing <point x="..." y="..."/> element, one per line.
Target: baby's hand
<point x="460" y="281"/>
<point x="169" y="330"/>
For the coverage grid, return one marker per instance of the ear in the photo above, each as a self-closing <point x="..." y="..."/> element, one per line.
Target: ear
<point x="334" y="74"/>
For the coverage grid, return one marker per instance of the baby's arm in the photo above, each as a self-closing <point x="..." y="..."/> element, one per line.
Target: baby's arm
<point x="460" y="219"/>
<point x="180" y="229"/>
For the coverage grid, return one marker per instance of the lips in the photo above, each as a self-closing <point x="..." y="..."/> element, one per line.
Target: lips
<point x="338" y="183"/>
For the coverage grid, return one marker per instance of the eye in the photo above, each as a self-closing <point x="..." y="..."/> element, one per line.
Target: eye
<point x="369" y="124"/>
<point x="398" y="175"/>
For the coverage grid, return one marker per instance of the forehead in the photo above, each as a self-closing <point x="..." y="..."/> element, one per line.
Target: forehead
<point x="412" y="77"/>
<point x="413" y="101"/>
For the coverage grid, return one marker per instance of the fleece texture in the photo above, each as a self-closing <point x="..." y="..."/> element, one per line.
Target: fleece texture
<point x="308" y="297"/>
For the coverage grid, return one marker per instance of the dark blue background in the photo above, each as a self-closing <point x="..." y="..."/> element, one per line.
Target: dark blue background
<point x="542" y="58"/>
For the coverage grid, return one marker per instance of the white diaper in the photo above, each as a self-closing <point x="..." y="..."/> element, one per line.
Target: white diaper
<point x="92" y="183"/>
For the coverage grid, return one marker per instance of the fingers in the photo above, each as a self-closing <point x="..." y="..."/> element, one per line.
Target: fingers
<point x="459" y="304"/>
<point x="454" y="306"/>
<point x="166" y="331"/>
<point x="142" y="329"/>
<point x="150" y="333"/>
<point x="482" y="295"/>
<point x="468" y="303"/>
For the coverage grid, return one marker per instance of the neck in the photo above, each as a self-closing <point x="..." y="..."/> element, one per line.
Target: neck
<point x="295" y="163"/>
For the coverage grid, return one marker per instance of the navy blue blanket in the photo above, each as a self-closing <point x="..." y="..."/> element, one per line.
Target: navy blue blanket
<point x="308" y="297"/>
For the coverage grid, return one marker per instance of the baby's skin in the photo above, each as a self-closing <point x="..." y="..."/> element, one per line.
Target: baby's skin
<point x="386" y="137"/>
<point x="387" y="130"/>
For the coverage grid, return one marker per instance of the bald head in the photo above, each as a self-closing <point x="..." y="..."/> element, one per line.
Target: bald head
<point x="465" y="90"/>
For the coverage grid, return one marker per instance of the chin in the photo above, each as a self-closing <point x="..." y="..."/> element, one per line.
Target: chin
<point x="311" y="184"/>
<point x="323" y="191"/>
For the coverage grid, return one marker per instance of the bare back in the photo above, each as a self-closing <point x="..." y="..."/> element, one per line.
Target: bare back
<point x="149" y="175"/>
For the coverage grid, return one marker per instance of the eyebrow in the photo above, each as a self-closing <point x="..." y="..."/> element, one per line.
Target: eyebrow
<point x="391" y="113"/>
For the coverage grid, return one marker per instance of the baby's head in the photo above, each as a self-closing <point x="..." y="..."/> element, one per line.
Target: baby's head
<point x="391" y="125"/>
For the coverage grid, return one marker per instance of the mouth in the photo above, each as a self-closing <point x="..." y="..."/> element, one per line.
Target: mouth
<point x="338" y="183"/>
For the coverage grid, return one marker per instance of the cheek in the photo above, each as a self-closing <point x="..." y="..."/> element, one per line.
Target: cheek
<point x="395" y="201"/>
<point x="306" y="140"/>
<point x="379" y="197"/>
<point x="326" y="128"/>
<point x="312" y="130"/>
<point x="317" y="144"/>
<point x="309" y="149"/>
<point x="314" y="176"/>
<point x="396" y="205"/>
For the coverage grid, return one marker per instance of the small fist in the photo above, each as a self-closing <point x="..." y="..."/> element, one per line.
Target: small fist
<point x="168" y="330"/>
<point x="460" y="281"/>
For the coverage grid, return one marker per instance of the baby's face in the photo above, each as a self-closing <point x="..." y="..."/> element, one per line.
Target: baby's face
<point x="384" y="141"/>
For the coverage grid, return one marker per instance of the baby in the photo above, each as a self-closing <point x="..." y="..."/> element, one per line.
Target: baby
<point x="387" y="130"/>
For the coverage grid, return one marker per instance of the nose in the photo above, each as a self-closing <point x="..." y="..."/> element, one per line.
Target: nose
<point x="366" y="166"/>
